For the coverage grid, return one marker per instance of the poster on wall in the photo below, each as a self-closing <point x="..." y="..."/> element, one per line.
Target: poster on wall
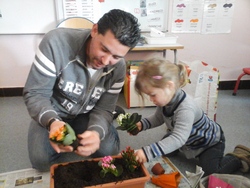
<point x="202" y="16"/>
<point x="218" y="16"/>
<point x="187" y="16"/>
<point x="76" y="8"/>
<point x="150" y="13"/>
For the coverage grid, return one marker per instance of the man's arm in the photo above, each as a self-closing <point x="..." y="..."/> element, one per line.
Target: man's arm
<point x="39" y="85"/>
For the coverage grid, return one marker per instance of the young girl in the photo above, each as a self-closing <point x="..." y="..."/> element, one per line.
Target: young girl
<point x="189" y="130"/>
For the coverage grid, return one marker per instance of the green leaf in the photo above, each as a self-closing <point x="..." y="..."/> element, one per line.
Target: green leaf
<point x="69" y="129"/>
<point x="102" y="173"/>
<point x="131" y="168"/>
<point x="132" y="118"/>
<point x="131" y="128"/>
<point x="120" y="128"/>
<point x="119" y="170"/>
<point x="138" y="118"/>
<point x="69" y="139"/>
<point x="70" y="135"/>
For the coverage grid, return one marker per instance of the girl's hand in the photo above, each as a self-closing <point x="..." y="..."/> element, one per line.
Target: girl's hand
<point x="136" y="132"/>
<point x="140" y="156"/>
<point x="139" y="125"/>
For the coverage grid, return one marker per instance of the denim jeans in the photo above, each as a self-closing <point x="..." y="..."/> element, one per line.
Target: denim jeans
<point x="42" y="155"/>
<point x="213" y="160"/>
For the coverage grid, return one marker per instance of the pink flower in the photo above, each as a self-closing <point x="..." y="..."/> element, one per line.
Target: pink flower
<point x="113" y="166"/>
<point x="107" y="159"/>
<point x="105" y="165"/>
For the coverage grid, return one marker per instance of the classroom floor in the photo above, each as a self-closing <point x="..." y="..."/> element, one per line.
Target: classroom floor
<point x="232" y="115"/>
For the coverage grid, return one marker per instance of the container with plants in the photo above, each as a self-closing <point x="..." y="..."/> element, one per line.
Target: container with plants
<point x="110" y="171"/>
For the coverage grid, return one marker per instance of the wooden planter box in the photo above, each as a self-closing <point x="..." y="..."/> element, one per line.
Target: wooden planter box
<point x="131" y="183"/>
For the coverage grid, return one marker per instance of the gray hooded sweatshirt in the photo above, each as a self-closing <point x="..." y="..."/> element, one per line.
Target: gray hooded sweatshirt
<point x="59" y="84"/>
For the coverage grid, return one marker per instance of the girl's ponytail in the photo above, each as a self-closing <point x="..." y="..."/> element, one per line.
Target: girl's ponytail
<point x="183" y="74"/>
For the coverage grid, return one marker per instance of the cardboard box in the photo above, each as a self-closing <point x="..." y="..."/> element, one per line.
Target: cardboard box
<point x="131" y="97"/>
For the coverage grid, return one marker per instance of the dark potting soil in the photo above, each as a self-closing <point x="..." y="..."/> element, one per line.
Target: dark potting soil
<point x="87" y="173"/>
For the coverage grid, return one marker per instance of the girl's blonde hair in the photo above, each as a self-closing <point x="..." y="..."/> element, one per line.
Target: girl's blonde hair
<point x="156" y="72"/>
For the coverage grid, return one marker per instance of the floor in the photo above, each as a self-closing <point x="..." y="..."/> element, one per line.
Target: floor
<point x="233" y="114"/>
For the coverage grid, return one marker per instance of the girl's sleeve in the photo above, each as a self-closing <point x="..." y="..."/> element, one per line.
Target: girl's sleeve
<point x="183" y="123"/>
<point x="154" y="120"/>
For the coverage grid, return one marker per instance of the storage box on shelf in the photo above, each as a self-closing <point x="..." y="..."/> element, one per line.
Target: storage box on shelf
<point x="167" y="39"/>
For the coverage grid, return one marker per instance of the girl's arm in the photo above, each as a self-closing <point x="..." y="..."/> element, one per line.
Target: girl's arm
<point x="182" y="122"/>
<point x="152" y="121"/>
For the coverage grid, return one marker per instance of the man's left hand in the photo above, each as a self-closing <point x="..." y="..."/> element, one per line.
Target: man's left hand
<point x="89" y="143"/>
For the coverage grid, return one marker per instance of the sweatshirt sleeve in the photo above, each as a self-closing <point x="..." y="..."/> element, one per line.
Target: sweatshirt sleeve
<point x="154" y="120"/>
<point x="39" y="85"/>
<point x="101" y="117"/>
<point x="183" y="122"/>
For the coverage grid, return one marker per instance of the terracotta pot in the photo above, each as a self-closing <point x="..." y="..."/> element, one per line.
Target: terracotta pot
<point x="157" y="169"/>
<point x="131" y="183"/>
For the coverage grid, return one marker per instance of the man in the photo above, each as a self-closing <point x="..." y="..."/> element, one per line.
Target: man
<point x="76" y="78"/>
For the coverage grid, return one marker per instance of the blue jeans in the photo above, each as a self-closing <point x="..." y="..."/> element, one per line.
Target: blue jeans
<point x="42" y="155"/>
<point x="213" y="160"/>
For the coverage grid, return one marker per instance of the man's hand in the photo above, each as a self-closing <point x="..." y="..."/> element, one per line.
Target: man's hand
<point x="59" y="148"/>
<point x="89" y="143"/>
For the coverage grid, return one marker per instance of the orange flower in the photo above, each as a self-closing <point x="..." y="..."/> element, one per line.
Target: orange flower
<point x="64" y="135"/>
<point x="59" y="134"/>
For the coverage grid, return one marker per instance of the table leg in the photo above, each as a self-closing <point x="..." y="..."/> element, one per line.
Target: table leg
<point x="175" y="56"/>
<point x="164" y="53"/>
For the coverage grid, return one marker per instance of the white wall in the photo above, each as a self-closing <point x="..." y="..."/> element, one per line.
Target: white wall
<point x="16" y="56"/>
<point x="227" y="52"/>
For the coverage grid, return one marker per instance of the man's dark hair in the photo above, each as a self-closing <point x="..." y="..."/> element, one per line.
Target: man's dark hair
<point x="123" y="25"/>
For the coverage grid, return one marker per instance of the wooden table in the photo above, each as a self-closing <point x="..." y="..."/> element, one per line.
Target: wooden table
<point x="159" y="47"/>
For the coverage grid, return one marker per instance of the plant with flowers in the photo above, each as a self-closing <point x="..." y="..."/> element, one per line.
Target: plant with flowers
<point x="130" y="159"/>
<point x="65" y="135"/>
<point x="107" y="164"/>
<point x="128" y="122"/>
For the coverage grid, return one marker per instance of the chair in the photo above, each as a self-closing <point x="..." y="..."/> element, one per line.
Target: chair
<point x="246" y="71"/>
<point x="76" y="22"/>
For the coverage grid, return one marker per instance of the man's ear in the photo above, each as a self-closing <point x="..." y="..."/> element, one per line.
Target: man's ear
<point x="94" y="30"/>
